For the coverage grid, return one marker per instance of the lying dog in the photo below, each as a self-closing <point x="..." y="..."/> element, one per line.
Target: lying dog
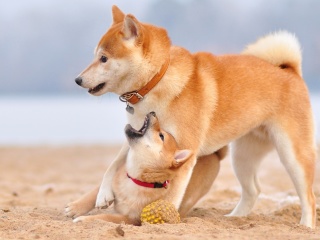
<point x="148" y="173"/>
<point x="256" y="100"/>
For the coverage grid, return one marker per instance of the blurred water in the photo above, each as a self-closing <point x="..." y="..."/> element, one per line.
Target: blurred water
<point x="61" y="120"/>
<point x="71" y="120"/>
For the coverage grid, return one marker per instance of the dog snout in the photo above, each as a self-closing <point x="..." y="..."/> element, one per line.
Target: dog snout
<point x="78" y="81"/>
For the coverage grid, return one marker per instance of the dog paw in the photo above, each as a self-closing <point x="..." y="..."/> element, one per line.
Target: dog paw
<point x="80" y="219"/>
<point x="104" y="199"/>
<point x="228" y="215"/>
<point x="235" y="214"/>
<point x="76" y="209"/>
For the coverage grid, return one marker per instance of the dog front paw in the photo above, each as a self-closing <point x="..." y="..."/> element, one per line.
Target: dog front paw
<point x="104" y="199"/>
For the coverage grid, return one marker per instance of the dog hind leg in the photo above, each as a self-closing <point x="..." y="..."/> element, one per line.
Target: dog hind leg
<point x="115" y="218"/>
<point x="299" y="157"/>
<point x="83" y="205"/>
<point x="247" y="154"/>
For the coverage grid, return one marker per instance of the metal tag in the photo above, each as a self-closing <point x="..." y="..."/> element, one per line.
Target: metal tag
<point x="130" y="109"/>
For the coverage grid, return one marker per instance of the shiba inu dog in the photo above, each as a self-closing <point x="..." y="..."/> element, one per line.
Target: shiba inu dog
<point x="256" y="100"/>
<point x="147" y="175"/>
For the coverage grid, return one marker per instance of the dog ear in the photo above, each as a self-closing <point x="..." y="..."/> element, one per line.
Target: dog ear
<point x="132" y="28"/>
<point x="181" y="156"/>
<point x="117" y="15"/>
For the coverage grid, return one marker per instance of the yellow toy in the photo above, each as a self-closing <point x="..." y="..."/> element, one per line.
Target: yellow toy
<point x="158" y="212"/>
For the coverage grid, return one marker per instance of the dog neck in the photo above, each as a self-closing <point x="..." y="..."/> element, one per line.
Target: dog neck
<point x="149" y="185"/>
<point x="136" y="96"/>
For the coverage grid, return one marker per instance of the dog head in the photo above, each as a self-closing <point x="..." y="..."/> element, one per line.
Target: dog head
<point x="153" y="155"/>
<point x="128" y="55"/>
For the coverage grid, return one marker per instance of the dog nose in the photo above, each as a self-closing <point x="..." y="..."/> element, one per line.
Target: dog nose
<point x="78" y="81"/>
<point x="153" y="114"/>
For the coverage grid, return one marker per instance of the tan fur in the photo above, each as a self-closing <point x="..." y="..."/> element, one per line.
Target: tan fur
<point x="205" y="101"/>
<point x="149" y="160"/>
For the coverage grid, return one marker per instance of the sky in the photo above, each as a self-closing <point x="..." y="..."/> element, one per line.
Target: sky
<point x="44" y="45"/>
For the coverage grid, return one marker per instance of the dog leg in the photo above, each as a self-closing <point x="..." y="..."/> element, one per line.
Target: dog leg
<point x="203" y="175"/>
<point x="299" y="160"/>
<point x="83" y="205"/>
<point x="115" y="218"/>
<point x="105" y="195"/>
<point x="247" y="154"/>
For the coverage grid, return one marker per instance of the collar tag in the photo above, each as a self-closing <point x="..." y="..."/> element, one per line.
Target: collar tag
<point x="129" y="109"/>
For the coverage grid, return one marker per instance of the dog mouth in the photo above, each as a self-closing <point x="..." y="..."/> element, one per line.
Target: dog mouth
<point x="132" y="133"/>
<point x="96" y="88"/>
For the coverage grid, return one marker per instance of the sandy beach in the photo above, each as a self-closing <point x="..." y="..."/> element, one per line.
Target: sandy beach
<point x="37" y="182"/>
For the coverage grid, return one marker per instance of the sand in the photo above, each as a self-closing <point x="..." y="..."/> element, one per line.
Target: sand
<point x="37" y="182"/>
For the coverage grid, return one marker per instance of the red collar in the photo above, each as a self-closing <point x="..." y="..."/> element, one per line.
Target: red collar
<point x="135" y="96"/>
<point x="149" y="185"/>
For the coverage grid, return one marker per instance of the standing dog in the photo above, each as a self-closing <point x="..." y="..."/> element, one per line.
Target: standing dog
<point x="256" y="100"/>
<point x="148" y="173"/>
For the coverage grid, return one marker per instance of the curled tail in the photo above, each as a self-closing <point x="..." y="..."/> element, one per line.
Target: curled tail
<point x="281" y="49"/>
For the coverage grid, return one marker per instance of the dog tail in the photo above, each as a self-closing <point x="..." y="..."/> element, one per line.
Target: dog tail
<point x="281" y="49"/>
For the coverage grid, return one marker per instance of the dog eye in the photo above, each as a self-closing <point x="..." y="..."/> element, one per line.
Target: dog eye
<point x="161" y="136"/>
<point x="103" y="59"/>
